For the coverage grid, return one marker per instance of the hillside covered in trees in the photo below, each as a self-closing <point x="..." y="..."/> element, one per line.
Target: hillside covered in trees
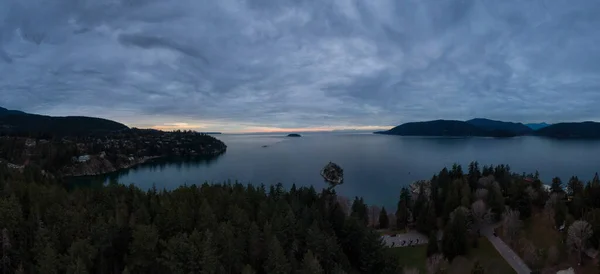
<point x="450" y="128"/>
<point x="493" y="125"/>
<point x="13" y="122"/>
<point x="92" y="155"/>
<point x="551" y="228"/>
<point x="221" y="228"/>
<point x="583" y="130"/>
<point x="76" y="146"/>
<point x="480" y="127"/>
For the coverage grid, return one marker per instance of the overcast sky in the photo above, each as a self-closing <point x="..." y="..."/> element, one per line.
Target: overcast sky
<point x="251" y="65"/>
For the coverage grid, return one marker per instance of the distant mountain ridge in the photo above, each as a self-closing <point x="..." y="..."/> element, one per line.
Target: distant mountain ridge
<point x="480" y="127"/>
<point x="583" y="130"/>
<point x="4" y="111"/>
<point x="487" y="124"/>
<point x="21" y="123"/>
<point x="450" y="128"/>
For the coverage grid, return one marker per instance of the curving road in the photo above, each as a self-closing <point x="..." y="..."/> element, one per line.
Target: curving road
<point x="509" y="255"/>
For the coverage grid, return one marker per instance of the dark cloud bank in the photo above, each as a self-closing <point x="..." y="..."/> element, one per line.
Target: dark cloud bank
<point x="237" y="64"/>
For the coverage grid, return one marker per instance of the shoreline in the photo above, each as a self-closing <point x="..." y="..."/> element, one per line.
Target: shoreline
<point x="135" y="163"/>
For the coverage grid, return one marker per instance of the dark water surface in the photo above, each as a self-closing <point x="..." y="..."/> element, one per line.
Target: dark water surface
<point x="375" y="166"/>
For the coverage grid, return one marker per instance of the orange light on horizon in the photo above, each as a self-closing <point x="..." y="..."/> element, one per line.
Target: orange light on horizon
<point x="178" y="126"/>
<point x="308" y="129"/>
<point x="254" y="129"/>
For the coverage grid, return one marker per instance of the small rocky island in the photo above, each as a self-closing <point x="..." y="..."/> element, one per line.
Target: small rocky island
<point x="294" y="135"/>
<point x="333" y="174"/>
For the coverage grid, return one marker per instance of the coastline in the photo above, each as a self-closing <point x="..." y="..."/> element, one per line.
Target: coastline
<point x="99" y="166"/>
<point x="96" y="167"/>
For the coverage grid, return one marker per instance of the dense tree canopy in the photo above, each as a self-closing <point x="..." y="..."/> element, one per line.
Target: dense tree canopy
<point x="220" y="228"/>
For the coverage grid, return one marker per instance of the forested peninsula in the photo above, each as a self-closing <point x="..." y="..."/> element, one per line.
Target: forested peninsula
<point x="79" y="146"/>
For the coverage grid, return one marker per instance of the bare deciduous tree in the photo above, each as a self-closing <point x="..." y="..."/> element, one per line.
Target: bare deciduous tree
<point x="511" y="225"/>
<point x="392" y="219"/>
<point x="553" y="256"/>
<point x="467" y="214"/>
<point x="553" y="200"/>
<point x="480" y="213"/>
<point x="374" y="215"/>
<point x="486" y="181"/>
<point x="435" y="263"/>
<point x="344" y="203"/>
<point x="530" y="252"/>
<point x="578" y="235"/>
<point x="533" y="194"/>
<point x="481" y="194"/>
<point x="460" y="265"/>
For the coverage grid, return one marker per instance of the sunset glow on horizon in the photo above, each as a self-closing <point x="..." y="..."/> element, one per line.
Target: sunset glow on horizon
<point x="256" y="129"/>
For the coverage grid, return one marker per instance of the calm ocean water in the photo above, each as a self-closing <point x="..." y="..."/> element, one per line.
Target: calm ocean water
<point x="376" y="167"/>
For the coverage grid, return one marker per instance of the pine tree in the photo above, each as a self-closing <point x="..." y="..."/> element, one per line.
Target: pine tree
<point x="360" y="210"/>
<point x="248" y="270"/>
<point x="474" y="175"/>
<point x="310" y="265"/>
<point x="254" y="245"/>
<point x="556" y="186"/>
<point x="277" y="262"/>
<point x="143" y="248"/>
<point x="402" y="213"/>
<point x="432" y="245"/>
<point x="206" y="219"/>
<point x="384" y="222"/>
<point x="48" y="261"/>
<point x="209" y="261"/>
<point x="454" y="242"/>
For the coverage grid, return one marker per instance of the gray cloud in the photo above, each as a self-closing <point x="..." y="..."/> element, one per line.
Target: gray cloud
<point x="244" y="63"/>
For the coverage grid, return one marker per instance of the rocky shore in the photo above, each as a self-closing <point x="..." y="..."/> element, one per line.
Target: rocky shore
<point x="97" y="165"/>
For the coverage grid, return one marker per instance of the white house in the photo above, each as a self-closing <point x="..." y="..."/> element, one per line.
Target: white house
<point x="83" y="158"/>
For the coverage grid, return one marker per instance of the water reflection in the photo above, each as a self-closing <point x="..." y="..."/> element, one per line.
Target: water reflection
<point x="160" y="164"/>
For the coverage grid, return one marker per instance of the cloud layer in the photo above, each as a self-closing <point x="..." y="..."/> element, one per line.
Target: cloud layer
<point x="241" y="64"/>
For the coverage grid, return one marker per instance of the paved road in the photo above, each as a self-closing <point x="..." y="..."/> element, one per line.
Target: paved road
<point x="509" y="255"/>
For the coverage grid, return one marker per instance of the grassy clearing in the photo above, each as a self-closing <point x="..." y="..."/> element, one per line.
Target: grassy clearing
<point x="412" y="257"/>
<point x="486" y="254"/>
<point x="489" y="257"/>
<point x="540" y="231"/>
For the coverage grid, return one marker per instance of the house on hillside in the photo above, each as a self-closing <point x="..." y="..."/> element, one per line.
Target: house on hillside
<point x="30" y="142"/>
<point x="83" y="158"/>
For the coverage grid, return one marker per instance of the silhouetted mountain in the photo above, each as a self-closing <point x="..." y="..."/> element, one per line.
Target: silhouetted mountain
<point x="536" y="126"/>
<point x="20" y="123"/>
<point x="444" y="128"/>
<point x="4" y="111"/>
<point x="584" y="130"/>
<point x="493" y="125"/>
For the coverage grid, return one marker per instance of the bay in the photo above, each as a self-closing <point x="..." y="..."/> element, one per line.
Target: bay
<point x="375" y="166"/>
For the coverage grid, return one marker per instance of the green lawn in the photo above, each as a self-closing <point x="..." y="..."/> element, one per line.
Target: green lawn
<point x="414" y="257"/>
<point x="489" y="257"/>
